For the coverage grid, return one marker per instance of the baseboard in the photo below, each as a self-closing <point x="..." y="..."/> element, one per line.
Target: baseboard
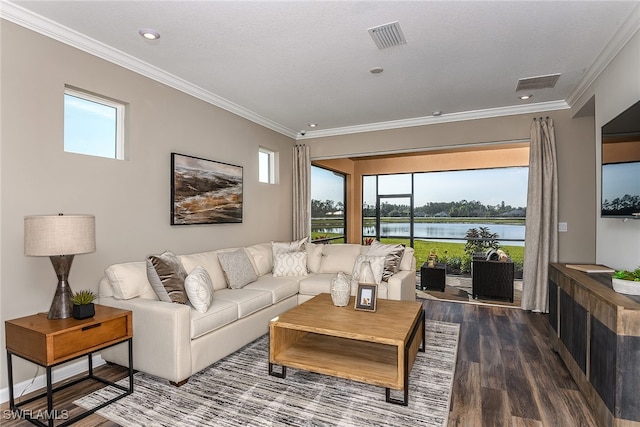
<point x="58" y="374"/>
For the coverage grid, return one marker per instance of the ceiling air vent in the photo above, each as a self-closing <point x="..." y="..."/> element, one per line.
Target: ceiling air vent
<point x="540" y="82"/>
<point x="387" y="35"/>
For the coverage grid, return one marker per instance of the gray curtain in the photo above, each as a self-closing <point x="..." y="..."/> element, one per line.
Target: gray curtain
<point x="301" y="191"/>
<point x="541" y="236"/>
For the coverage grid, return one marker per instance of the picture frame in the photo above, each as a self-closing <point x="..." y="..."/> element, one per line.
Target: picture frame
<point x="366" y="297"/>
<point x="204" y="191"/>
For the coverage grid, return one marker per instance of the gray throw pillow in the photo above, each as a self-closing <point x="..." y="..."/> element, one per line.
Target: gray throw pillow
<point x="237" y="268"/>
<point x="166" y="276"/>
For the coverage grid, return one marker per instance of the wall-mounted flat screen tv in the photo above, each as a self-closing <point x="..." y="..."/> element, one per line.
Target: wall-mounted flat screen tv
<point x="621" y="165"/>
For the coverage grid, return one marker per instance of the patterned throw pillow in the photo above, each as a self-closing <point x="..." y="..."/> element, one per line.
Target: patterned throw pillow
<point x="290" y="264"/>
<point x="199" y="289"/>
<point x="392" y="254"/>
<point x="237" y="268"/>
<point x="166" y="276"/>
<point x="377" y="266"/>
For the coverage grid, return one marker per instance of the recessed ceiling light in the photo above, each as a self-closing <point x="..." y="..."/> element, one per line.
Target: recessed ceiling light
<point x="149" y="34"/>
<point x="376" y="70"/>
<point x="523" y="97"/>
<point x="312" y="125"/>
<point x="436" y="113"/>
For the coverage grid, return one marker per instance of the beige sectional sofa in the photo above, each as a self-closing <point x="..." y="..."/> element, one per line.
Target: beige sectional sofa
<point x="174" y="341"/>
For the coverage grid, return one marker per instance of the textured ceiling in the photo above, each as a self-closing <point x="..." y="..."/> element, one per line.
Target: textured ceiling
<point x="290" y="63"/>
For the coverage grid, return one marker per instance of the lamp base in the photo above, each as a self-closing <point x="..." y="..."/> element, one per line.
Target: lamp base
<point x="61" y="306"/>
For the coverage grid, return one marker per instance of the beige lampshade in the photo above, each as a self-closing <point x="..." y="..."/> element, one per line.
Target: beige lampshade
<point x="49" y="235"/>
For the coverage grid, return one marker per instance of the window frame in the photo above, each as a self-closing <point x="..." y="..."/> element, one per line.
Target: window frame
<point x="271" y="165"/>
<point x="120" y="113"/>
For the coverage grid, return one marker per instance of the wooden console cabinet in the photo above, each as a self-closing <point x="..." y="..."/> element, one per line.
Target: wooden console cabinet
<point x="596" y="332"/>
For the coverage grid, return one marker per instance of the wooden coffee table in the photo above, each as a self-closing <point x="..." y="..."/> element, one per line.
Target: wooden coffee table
<point x="376" y="348"/>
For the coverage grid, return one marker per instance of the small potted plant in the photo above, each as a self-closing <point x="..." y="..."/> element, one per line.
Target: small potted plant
<point x="433" y="257"/>
<point x="83" y="307"/>
<point x="627" y="282"/>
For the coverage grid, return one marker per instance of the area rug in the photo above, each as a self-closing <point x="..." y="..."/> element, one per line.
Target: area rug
<point x="238" y="391"/>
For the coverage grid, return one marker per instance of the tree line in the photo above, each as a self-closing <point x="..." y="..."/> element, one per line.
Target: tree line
<point x="463" y="208"/>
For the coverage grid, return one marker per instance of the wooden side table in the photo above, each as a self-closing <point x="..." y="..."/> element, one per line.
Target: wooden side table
<point x="49" y="343"/>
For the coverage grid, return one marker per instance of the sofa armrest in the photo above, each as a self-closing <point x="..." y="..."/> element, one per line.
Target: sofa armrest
<point x="161" y="338"/>
<point x="402" y="286"/>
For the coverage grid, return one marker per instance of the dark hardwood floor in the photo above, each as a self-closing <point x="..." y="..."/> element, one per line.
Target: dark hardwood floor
<point x="506" y="374"/>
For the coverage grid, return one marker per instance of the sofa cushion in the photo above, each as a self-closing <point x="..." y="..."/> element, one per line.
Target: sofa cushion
<point x="262" y="258"/>
<point x="393" y="256"/>
<point x="208" y="260"/>
<point x="237" y="268"/>
<point x="199" y="289"/>
<point x="248" y="300"/>
<point x="339" y="258"/>
<point x="280" y="287"/>
<point x="166" y="275"/>
<point x="220" y="313"/>
<point x="286" y="247"/>
<point x="290" y="264"/>
<point x="314" y="257"/>
<point x="317" y="283"/>
<point x="377" y="266"/>
<point x="129" y="280"/>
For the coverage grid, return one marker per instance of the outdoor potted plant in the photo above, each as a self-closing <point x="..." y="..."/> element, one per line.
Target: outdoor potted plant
<point x="626" y="282"/>
<point x="83" y="307"/>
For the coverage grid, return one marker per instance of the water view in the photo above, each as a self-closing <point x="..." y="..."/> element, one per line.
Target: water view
<point x="510" y="234"/>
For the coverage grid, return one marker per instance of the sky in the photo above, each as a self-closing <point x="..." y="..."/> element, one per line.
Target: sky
<point x="89" y="127"/>
<point x="488" y="186"/>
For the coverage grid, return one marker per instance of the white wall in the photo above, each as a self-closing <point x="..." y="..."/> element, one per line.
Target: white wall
<point x="130" y="199"/>
<point x="615" y="90"/>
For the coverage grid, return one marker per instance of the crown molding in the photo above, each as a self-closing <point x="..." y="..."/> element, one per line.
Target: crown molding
<point x="23" y="17"/>
<point x="628" y="29"/>
<point x="445" y="118"/>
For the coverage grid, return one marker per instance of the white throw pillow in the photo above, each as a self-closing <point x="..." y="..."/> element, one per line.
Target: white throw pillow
<point x="129" y="280"/>
<point x="393" y="256"/>
<point x="237" y="268"/>
<point x="199" y="289"/>
<point x="286" y="247"/>
<point x="377" y="266"/>
<point x="290" y="264"/>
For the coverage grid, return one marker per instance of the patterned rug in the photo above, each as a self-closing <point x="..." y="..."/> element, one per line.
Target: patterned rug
<point x="238" y="391"/>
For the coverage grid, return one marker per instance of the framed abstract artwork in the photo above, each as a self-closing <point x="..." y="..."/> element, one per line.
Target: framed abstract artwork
<point x="204" y="191"/>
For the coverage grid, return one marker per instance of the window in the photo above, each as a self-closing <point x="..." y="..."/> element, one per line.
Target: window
<point x="266" y="166"/>
<point x="93" y="125"/>
<point x="443" y="210"/>
<point x="328" y="210"/>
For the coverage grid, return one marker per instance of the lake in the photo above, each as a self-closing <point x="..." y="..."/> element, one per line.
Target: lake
<point x="441" y="232"/>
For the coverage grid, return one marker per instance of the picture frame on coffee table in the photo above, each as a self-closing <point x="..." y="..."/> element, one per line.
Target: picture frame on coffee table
<point x="366" y="297"/>
<point x="204" y="191"/>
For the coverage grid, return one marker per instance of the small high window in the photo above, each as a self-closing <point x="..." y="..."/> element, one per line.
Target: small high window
<point x="93" y="125"/>
<point x="267" y="166"/>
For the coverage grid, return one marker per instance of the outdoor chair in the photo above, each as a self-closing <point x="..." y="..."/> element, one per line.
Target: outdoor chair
<point x="492" y="279"/>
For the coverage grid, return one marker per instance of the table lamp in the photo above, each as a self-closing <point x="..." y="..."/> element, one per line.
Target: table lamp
<point x="60" y="237"/>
